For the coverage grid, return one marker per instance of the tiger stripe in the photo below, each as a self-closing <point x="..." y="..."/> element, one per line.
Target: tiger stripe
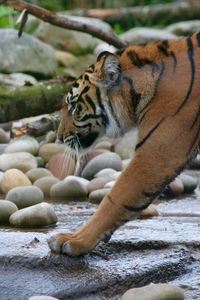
<point x="148" y="135"/>
<point x="192" y="65"/>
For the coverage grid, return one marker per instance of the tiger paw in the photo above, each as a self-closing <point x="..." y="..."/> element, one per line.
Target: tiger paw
<point x="69" y="243"/>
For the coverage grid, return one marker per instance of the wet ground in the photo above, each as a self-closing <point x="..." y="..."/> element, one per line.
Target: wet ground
<point x="162" y="249"/>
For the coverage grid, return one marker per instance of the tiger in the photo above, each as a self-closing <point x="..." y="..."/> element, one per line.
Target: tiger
<point x="156" y="87"/>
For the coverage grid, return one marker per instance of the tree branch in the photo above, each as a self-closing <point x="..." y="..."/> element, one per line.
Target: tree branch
<point x="64" y="22"/>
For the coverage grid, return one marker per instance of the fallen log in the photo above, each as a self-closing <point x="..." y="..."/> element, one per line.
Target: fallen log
<point x="20" y="102"/>
<point x="145" y="15"/>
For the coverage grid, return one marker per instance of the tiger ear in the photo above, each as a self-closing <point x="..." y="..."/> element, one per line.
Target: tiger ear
<point x="110" y="70"/>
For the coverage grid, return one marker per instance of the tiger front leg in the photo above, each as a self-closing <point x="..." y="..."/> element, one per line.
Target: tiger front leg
<point x="161" y="154"/>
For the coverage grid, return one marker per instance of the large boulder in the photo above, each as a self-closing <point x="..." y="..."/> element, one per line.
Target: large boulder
<point x="29" y="55"/>
<point x="137" y="35"/>
<point x="74" y="65"/>
<point x="142" y="35"/>
<point x="70" y="40"/>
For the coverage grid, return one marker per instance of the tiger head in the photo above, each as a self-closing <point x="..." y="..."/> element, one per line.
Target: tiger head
<point x="91" y="107"/>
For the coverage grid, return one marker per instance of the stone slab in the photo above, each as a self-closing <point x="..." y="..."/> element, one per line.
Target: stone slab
<point x="162" y="249"/>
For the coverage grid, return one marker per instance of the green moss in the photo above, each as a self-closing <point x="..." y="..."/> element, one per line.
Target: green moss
<point x="20" y="102"/>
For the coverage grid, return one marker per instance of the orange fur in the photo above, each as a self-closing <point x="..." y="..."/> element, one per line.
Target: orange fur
<point x="158" y="89"/>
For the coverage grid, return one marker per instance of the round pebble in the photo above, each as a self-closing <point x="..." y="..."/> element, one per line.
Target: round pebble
<point x="1" y="177"/>
<point x="45" y="184"/>
<point x="97" y="183"/>
<point x="176" y="187"/>
<point x="13" y="178"/>
<point x="23" y="144"/>
<point x="21" y="160"/>
<point x="105" y="145"/>
<point x="3" y="137"/>
<point x="109" y="184"/>
<point x="155" y="292"/>
<point x="149" y="212"/>
<point x="71" y="187"/>
<point x="189" y="183"/>
<point x="95" y="152"/>
<point x="41" y="214"/>
<point x="108" y="172"/>
<point x="125" y="163"/>
<point x="51" y="137"/>
<point x="46" y="151"/>
<point x="125" y="147"/>
<point x="195" y="163"/>
<point x="83" y="181"/>
<point x="7" y="208"/>
<point x="36" y="173"/>
<point x="61" y="166"/>
<point x="98" y="195"/>
<point x="24" y="196"/>
<point x="42" y="298"/>
<point x="40" y="162"/>
<point x="102" y="161"/>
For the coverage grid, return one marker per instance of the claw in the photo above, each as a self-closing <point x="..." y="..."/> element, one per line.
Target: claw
<point x="53" y="245"/>
<point x="66" y="249"/>
<point x="67" y="243"/>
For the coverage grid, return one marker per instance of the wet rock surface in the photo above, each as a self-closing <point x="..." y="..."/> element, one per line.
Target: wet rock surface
<point x="163" y="249"/>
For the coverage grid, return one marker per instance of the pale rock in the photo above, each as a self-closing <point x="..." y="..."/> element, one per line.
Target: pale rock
<point x="149" y="212"/>
<point x="46" y="151"/>
<point x="42" y="55"/>
<point x="42" y="298"/>
<point x="36" y="173"/>
<point x="7" y="208"/>
<point x="24" y="144"/>
<point x="51" y="137"/>
<point x="17" y="79"/>
<point x="40" y="162"/>
<point x="61" y="165"/>
<point x="155" y="292"/>
<point x="70" y="188"/>
<point x="13" y="178"/>
<point x="74" y="65"/>
<point x="70" y="40"/>
<point x="109" y="184"/>
<point x="142" y="35"/>
<point x="105" y="145"/>
<point x="189" y="183"/>
<point x="97" y="183"/>
<point x="184" y="28"/>
<point x="24" y="196"/>
<point x="125" y="146"/>
<point x="45" y="184"/>
<point x="125" y="163"/>
<point x="41" y="214"/>
<point x="176" y="187"/>
<point x="21" y="160"/>
<point x="3" y="137"/>
<point x="108" y="172"/>
<point x="105" y="160"/>
<point x="98" y="195"/>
